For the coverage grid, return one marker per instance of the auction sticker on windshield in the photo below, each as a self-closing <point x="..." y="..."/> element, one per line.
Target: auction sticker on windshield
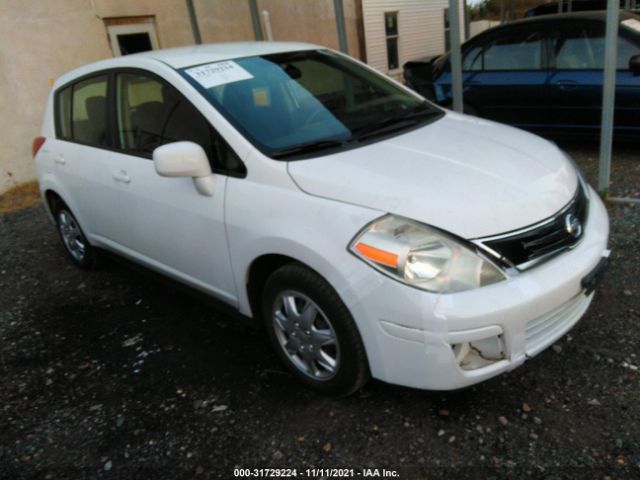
<point x="218" y="73"/>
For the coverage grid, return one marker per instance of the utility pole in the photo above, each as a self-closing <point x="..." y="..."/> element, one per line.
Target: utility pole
<point x="255" y="20"/>
<point x="194" y="22"/>
<point x="342" y="31"/>
<point x="608" y="94"/>
<point x="456" y="56"/>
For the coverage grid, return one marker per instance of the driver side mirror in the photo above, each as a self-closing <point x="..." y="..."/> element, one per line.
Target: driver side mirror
<point x="634" y="64"/>
<point x="185" y="159"/>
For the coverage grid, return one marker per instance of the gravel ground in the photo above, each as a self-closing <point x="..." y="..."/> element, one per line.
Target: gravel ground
<point x="115" y="374"/>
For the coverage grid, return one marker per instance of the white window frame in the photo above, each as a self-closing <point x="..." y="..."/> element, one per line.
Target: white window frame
<point x="390" y="37"/>
<point x="115" y="30"/>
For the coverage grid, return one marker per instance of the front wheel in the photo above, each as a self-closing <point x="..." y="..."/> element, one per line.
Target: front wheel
<point x="313" y="332"/>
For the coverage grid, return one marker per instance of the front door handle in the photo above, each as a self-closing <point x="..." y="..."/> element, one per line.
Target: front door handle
<point x="122" y="177"/>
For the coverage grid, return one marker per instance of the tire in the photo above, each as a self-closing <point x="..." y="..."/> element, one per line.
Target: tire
<point x="313" y="332"/>
<point x="78" y="248"/>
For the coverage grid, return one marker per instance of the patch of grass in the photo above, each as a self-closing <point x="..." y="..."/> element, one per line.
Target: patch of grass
<point x="21" y="196"/>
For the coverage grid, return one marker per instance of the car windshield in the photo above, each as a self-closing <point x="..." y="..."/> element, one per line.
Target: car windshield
<point x="296" y="104"/>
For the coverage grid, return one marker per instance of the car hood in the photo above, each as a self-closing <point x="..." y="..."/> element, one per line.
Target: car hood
<point x="471" y="177"/>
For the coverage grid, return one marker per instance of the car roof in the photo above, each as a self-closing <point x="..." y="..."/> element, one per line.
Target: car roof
<point x="215" y="52"/>
<point x="600" y="15"/>
<point x="181" y="57"/>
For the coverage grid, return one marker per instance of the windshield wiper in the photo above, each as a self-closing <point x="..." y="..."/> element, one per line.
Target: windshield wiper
<point x="393" y="123"/>
<point x="307" y="148"/>
<point x="387" y="125"/>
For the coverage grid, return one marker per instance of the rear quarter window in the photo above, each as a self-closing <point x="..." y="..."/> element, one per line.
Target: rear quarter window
<point x="63" y="113"/>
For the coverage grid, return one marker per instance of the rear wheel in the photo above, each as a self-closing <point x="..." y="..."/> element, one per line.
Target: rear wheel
<point x="80" y="251"/>
<point x="313" y="332"/>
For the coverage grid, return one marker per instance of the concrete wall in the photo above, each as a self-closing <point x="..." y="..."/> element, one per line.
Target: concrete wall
<point x="223" y="20"/>
<point x="314" y="21"/>
<point x="39" y="41"/>
<point x="42" y="39"/>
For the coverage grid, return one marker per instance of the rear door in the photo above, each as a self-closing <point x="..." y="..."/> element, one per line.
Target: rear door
<point x="627" y="117"/>
<point x="81" y="153"/>
<point x="576" y="84"/>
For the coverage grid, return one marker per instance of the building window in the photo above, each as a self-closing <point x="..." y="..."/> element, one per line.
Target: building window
<point x="131" y="35"/>
<point x="391" y="33"/>
<point x="447" y="29"/>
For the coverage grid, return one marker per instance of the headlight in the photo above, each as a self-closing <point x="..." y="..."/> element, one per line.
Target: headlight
<point x="423" y="257"/>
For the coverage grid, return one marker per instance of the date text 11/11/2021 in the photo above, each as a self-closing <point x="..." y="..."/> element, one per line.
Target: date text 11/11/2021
<point x="315" y="473"/>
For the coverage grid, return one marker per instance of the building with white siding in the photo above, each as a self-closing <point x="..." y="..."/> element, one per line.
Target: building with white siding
<point x="396" y="31"/>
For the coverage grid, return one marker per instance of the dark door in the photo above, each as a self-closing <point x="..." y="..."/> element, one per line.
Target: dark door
<point x="505" y="77"/>
<point x="576" y="84"/>
<point x="627" y="117"/>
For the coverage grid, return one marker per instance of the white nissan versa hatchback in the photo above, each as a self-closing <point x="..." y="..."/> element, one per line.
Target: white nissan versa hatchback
<point x="372" y="232"/>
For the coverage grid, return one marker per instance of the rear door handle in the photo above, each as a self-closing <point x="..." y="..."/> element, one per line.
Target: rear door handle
<point x="60" y="160"/>
<point x="566" y="84"/>
<point x="122" y="177"/>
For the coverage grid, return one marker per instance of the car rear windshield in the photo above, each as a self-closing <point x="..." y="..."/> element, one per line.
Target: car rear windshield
<point x="297" y="104"/>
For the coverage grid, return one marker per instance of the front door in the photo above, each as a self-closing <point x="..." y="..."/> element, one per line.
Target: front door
<point x="505" y="78"/>
<point x="169" y="226"/>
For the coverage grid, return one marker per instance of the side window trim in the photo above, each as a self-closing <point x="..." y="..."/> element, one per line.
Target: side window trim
<point x="111" y="111"/>
<point x="57" y="113"/>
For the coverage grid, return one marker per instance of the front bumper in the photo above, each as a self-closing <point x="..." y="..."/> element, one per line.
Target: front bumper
<point x="409" y="334"/>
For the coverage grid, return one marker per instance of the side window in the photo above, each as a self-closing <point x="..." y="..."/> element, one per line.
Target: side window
<point x="89" y="111"/>
<point x="151" y="113"/>
<point x="515" y="51"/>
<point x="63" y="113"/>
<point x="582" y="48"/>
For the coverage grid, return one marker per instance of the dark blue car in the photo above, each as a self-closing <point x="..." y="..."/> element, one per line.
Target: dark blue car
<point x="543" y="74"/>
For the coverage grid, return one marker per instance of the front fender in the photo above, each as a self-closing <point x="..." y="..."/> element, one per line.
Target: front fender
<point x="265" y="219"/>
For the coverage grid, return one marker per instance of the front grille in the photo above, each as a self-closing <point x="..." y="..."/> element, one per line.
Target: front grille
<point x="532" y="245"/>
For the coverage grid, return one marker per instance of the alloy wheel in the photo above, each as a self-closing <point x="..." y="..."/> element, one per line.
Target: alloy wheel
<point x="306" y="335"/>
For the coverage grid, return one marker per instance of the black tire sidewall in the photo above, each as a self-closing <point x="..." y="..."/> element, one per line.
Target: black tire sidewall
<point x="353" y="370"/>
